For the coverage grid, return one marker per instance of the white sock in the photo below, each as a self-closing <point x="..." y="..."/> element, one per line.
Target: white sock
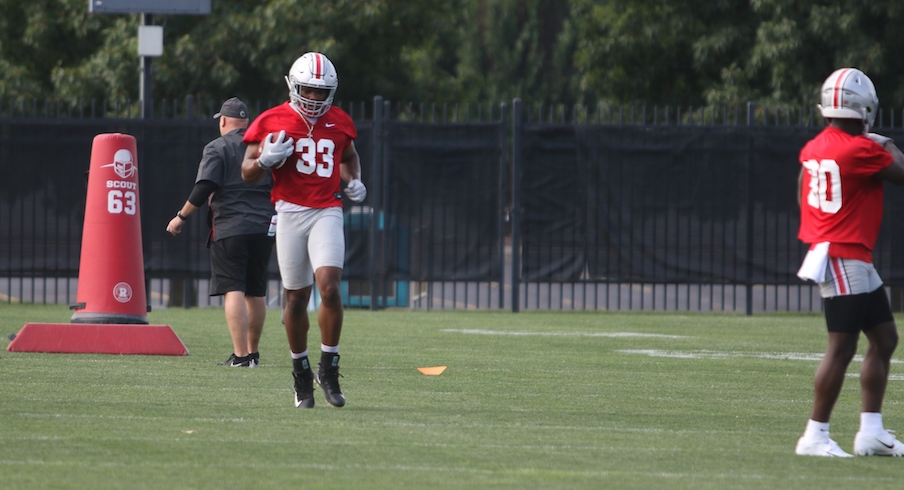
<point x="332" y="349"/>
<point x="817" y="430"/>
<point x="299" y="356"/>
<point x="871" y="422"/>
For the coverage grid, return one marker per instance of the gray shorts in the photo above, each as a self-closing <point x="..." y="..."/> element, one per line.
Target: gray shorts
<point x="849" y="276"/>
<point x="307" y="240"/>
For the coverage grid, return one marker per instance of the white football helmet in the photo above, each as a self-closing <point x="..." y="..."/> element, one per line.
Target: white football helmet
<point x="849" y="94"/>
<point x="312" y="70"/>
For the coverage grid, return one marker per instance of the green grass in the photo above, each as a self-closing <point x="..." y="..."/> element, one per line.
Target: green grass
<point x="530" y="400"/>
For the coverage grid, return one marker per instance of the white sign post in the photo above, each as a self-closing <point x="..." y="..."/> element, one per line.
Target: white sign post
<point x="150" y="37"/>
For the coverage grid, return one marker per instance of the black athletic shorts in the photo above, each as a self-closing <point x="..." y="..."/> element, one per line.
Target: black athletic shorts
<point x="855" y="312"/>
<point x="239" y="263"/>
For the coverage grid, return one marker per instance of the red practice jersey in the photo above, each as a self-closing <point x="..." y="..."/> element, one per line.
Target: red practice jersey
<point x="841" y="197"/>
<point x="310" y="177"/>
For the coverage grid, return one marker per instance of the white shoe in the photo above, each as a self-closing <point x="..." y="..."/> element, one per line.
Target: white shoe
<point x="820" y="447"/>
<point x="878" y="444"/>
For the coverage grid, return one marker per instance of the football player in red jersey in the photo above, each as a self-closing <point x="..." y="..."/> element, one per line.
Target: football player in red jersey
<point x="841" y="198"/>
<point x="308" y="146"/>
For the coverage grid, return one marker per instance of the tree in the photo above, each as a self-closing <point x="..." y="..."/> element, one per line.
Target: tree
<point x="652" y="52"/>
<point x="799" y="43"/>
<point x="517" y="48"/>
<point x="55" y="48"/>
<point x="40" y="38"/>
<point x="771" y="52"/>
<point x="658" y="52"/>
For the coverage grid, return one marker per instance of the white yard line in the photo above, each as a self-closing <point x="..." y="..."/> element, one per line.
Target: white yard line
<point x="477" y="331"/>
<point x="708" y="354"/>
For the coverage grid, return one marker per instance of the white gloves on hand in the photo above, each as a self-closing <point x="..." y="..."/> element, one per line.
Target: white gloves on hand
<point x="275" y="151"/>
<point x="878" y="138"/>
<point x="356" y="190"/>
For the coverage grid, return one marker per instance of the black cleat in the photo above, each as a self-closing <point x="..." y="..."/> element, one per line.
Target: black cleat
<point x="304" y="389"/>
<point x="255" y="358"/>
<point x="235" y="361"/>
<point x="327" y="378"/>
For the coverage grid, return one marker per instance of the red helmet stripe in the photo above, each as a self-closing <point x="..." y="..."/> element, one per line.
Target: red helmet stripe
<point x="837" y="92"/>
<point x="318" y="66"/>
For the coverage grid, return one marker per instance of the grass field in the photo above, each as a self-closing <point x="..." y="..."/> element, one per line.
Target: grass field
<point x="530" y="400"/>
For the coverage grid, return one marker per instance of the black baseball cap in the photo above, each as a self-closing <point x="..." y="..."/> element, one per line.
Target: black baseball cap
<point x="233" y="108"/>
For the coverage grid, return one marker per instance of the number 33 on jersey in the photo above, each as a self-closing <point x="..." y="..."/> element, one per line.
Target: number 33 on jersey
<point x="310" y="177"/>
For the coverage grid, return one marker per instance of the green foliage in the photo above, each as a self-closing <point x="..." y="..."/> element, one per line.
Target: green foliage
<point x="515" y="48"/>
<point x="653" y="52"/>
<point x="109" y="72"/>
<point x="657" y="52"/>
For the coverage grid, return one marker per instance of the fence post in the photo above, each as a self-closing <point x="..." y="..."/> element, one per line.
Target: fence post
<point x="749" y="256"/>
<point x="376" y="202"/>
<point x="146" y="78"/>
<point x="517" y="128"/>
<point x="502" y="198"/>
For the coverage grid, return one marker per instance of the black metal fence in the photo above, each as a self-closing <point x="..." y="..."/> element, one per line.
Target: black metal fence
<point x="499" y="207"/>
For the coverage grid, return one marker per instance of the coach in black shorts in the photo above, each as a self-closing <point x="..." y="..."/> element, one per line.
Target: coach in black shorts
<point x="239" y="244"/>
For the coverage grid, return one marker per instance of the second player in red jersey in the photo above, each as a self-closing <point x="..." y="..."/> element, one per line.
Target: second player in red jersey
<point x="841" y="192"/>
<point x="841" y="196"/>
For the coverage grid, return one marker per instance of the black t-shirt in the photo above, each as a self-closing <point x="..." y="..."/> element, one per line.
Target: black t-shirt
<point x="239" y="208"/>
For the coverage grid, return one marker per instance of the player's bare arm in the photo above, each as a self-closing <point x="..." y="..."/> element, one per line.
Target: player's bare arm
<point x="350" y="171"/>
<point x="251" y="171"/>
<point x="350" y="166"/>
<point x="175" y="225"/>
<point x="894" y="173"/>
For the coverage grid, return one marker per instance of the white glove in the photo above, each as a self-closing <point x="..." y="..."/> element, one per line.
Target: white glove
<point x="275" y="152"/>
<point x="878" y="138"/>
<point x="356" y="190"/>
